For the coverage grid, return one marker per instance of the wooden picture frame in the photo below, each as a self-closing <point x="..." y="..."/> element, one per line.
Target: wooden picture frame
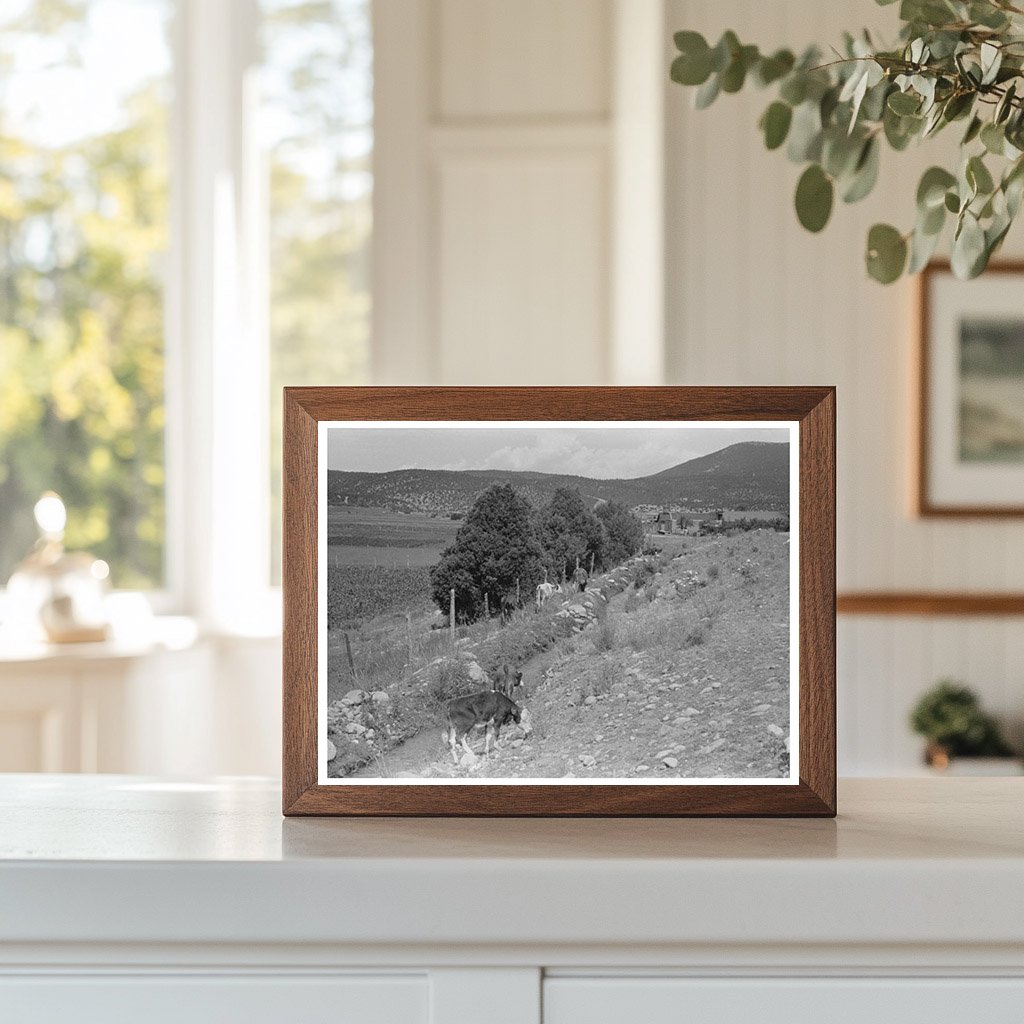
<point x="941" y="490"/>
<point x="809" y="413"/>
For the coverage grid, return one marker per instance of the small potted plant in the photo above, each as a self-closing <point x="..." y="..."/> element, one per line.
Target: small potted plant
<point x="950" y="717"/>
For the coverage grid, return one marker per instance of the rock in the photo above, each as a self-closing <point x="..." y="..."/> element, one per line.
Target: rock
<point x="588" y="760"/>
<point x="760" y="709"/>
<point x="369" y="734"/>
<point x="775" y="730"/>
<point x="516" y="743"/>
<point x="590" y="700"/>
<point x="469" y="759"/>
<point x="691" y="711"/>
<point x="380" y="697"/>
<point x="355" y="729"/>
<point x="662" y="754"/>
<point x="354" y="697"/>
<point x="712" y="746"/>
<point x="599" y="737"/>
<point x="477" y="674"/>
<point x="670" y="762"/>
<point x="332" y="751"/>
<point x="643" y="768"/>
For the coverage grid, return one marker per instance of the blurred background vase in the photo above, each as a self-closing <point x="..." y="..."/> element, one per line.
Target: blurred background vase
<point x="55" y="595"/>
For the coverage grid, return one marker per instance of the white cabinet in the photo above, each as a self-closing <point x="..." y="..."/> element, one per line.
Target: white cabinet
<point x="828" y="1000"/>
<point x="126" y="899"/>
<point x="202" y="999"/>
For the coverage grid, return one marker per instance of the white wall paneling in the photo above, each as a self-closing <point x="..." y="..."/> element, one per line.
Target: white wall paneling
<point x="513" y="170"/>
<point x="751" y="298"/>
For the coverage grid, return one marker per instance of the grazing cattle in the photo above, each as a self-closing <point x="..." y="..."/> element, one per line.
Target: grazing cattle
<point x="507" y="679"/>
<point x="489" y="709"/>
<point x="544" y="593"/>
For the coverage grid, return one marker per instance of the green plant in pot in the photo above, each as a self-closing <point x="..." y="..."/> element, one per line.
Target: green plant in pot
<point x="951" y="719"/>
<point x="956" y="63"/>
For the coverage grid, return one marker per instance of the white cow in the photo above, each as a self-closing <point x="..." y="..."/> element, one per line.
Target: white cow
<point x="544" y="593"/>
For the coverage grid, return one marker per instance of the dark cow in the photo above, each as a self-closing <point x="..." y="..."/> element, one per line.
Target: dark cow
<point x="489" y="709"/>
<point x="507" y="679"/>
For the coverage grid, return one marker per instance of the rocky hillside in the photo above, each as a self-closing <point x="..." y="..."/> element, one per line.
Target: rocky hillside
<point x="683" y="676"/>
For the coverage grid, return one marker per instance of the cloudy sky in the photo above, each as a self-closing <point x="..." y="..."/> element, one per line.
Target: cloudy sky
<point x="599" y="452"/>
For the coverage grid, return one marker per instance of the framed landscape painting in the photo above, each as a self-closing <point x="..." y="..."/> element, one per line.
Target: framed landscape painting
<point x="970" y="452"/>
<point x="559" y="601"/>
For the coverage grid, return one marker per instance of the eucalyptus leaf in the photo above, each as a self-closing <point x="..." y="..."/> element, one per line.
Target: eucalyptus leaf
<point x="931" y="190"/>
<point x="814" y="195"/>
<point x="886" y="253"/>
<point x="978" y="176"/>
<point x="771" y="69"/>
<point x="805" y="133"/>
<point x="865" y="173"/>
<point x="775" y="124"/>
<point x="904" y="103"/>
<point x="922" y="248"/>
<point x="968" y="248"/>
<point x="993" y="138"/>
<point x="707" y="93"/>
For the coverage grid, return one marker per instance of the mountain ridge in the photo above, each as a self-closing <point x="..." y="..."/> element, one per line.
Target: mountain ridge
<point x="747" y="475"/>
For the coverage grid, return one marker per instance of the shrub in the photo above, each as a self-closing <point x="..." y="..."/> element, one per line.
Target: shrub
<point x="712" y="571"/>
<point x="605" y="636"/>
<point x="949" y="715"/>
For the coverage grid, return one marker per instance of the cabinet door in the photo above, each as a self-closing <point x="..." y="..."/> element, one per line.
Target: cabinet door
<point x="782" y="1001"/>
<point x="202" y="999"/>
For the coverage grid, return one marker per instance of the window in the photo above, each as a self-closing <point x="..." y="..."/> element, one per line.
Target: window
<point x="185" y="222"/>
<point x="83" y="235"/>
<point x="317" y="116"/>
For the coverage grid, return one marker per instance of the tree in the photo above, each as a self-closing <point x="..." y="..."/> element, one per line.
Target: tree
<point x="569" y="531"/>
<point x="624" y="533"/>
<point x="495" y="546"/>
<point x="957" y="60"/>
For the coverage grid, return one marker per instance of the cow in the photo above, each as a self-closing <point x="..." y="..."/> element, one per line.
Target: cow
<point x="507" y="679"/>
<point x="489" y="708"/>
<point x="544" y="593"/>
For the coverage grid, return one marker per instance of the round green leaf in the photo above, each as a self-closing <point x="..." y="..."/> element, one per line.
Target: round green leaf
<point x="814" y="194"/>
<point x="993" y="138"/>
<point x="978" y="176"/>
<point x="887" y="253"/>
<point x="952" y="202"/>
<point x="775" y="123"/>
<point x="693" y="65"/>
<point x="903" y="103"/>
<point x="932" y="189"/>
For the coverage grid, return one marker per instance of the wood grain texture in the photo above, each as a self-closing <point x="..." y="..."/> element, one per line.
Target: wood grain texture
<point x="814" y="408"/>
<point x="924" y="506"/>
<point x="925" y="603"/>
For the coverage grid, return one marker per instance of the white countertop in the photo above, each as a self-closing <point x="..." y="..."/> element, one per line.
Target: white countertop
<point x="121" y="859"/>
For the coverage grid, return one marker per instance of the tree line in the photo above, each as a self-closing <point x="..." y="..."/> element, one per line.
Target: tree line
<point x="506" y="547"/>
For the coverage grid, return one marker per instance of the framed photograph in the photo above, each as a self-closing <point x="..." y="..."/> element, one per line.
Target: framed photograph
<point x="559" y="601"/>
<point x="970" y="450"/>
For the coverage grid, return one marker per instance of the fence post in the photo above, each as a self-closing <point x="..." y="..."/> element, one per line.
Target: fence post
<point x="487" y="608"/>
<point x="451" y="615"/>
<point x="351" y="661"/>
<point x="408" y="633"/>
<point x="519" y="597"/>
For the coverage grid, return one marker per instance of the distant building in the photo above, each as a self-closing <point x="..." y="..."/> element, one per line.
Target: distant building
<point x="664" y="522"/>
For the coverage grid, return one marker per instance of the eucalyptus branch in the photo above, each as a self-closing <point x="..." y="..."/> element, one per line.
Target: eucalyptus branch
<point x="954" y="60"/>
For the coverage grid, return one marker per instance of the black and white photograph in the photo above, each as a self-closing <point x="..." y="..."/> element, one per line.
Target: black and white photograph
<point x="595" y="602"/>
